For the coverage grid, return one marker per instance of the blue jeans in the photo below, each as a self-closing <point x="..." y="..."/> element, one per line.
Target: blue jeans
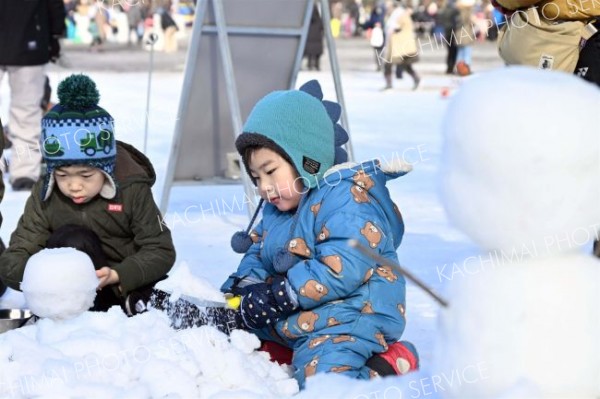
<point x="464" y="54"/>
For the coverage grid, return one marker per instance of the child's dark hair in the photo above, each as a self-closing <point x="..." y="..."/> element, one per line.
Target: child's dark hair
<point x="80" y="238"/>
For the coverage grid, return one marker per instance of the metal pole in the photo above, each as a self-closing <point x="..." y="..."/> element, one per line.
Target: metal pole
<point x="190" y="64"/>
<point x="232" y="95"/>
<point x="335" y="70"/>
<point x="388" y="262"/>
<point x="152" y="38"/>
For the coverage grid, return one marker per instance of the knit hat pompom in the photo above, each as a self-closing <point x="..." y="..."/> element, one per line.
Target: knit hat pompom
<point x="78" y="92"/>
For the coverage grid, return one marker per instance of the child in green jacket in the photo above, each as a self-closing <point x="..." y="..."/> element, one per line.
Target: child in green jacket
<point x="101" y="185"/>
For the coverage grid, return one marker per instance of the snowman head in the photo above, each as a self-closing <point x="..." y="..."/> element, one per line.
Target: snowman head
<point x="521" y="160"/>
<point x="59" y="283"/>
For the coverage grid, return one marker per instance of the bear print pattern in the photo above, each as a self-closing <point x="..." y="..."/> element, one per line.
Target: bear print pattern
<point x="332" y="321"/>
<point x="315" y="208"/>
<point x="314" y="290"/>
<point x="298" y="247"/>
<point x="323" y="234"/>
<point x="343" y="338"/>
<point x="387" y="273"/>
<point x="306" y="321"/>
<point x="359" y="194"/>
<point x="340" y="369"/>
<point x="368" y="275"/>
<point x="287" y="332"/>
<point x="368" y="308"/>
<point x="380" y="338"/>
<point x="317" y="341"/>
<point x="363" y="180"/>
<point x="372" y="234"/>
<point x="334" y="262"/>
<point x="401" y="309"/>
<point x="311" y="368"/>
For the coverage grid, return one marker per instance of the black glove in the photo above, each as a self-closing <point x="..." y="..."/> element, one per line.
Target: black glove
<point x="265" y="303"/>
<point x="54" y="49"/>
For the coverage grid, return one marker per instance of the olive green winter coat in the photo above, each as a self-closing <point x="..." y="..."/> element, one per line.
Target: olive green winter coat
<point x="138" y="246"/>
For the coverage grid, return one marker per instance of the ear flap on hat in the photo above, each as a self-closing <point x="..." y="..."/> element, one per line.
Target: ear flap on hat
<point x="48" y="186"/>
<point x="109" y="188"/>
<point x="108" y="191"/>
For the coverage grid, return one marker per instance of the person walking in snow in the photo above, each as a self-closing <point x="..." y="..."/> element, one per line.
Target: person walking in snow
<point x="313" y="49"/>
<point x="29" y="39"/>
<point x="401" y="45"/>
<point x="94" y="181"/>
<point x="301" y="285"/>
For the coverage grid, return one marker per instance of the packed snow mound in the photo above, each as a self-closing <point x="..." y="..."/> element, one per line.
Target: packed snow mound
<point x="521" y="160"/>
<point x="182" y="281"/>
<point x="533" y="326"/>
<point x="108" y="355"/>
<point x="59" y="283"/>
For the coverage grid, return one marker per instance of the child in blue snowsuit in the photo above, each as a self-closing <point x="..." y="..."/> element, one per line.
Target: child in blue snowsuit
<point x="302" y="285"/>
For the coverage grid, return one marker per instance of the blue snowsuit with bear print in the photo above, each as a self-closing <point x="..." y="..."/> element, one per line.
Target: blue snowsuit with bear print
<point x="350" y="307"/>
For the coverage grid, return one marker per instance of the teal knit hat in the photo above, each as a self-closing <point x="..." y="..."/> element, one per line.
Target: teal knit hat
<point x="303" y="129"/>
<point x="78" y="132"/>
<point x="299" y="126"/>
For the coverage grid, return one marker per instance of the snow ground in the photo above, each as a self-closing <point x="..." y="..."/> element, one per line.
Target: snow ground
<point x="384" y="125"/>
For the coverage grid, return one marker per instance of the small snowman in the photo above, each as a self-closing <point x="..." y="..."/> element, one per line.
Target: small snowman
<point x="521" y="177"/>
<point x="59" y="283"/>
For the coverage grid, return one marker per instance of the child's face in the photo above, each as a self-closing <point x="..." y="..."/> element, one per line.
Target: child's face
<point x="276" y="179"/>
<point x="79" y="182"/>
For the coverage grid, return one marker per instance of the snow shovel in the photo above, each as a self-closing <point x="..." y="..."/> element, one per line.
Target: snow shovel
<point x="188" y="312"/>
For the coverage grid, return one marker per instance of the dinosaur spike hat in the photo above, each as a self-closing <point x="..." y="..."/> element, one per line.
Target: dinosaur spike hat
<point x="77" y="131"/>
<point x="299" y="126"/>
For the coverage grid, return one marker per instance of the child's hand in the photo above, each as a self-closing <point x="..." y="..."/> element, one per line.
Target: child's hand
<point x="265" y="303"/>
<point x="107" y="276"/>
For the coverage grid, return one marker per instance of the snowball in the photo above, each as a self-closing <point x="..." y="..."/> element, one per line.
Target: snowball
<point x="59" y="283"/>
<point x="521" y="160"/>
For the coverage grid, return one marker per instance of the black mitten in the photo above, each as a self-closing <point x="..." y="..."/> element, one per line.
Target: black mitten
<point x="264" y="303"/>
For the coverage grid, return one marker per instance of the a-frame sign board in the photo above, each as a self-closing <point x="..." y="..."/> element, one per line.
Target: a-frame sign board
<point x="240" y="50"/>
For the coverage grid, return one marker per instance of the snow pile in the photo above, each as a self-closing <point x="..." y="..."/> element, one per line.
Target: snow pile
<point x="522" y="179"/>
<point x="101" y="355"/>
<point x="182" y="281"/>
<point x="59" y="283"/>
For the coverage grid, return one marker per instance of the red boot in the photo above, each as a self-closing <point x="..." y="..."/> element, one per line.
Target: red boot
<point x="400" y="358"/>
<point x="279" y="353"/>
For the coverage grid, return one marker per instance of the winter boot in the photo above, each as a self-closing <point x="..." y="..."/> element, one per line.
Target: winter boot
<point x="462" y="68"/>
<point x="388" y="82"/>
<point x="400" y="358"/>
<point x="416" y="80"/>
<point x="399" y="71"/>
<point x="278" y="353"/>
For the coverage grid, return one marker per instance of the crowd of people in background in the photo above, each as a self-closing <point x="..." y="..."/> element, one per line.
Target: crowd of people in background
<point x="97" y="22"/>
<point x="438" y="20"/>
